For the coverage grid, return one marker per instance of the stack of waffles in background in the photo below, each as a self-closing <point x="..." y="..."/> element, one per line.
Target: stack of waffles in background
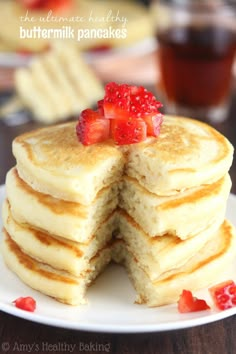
<point x="164" y="198"/>
<point x="57" y="84"/>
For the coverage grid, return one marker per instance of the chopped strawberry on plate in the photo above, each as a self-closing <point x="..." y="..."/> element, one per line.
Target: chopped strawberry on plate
<point x="224" y="294"/>
<point x="25" y="303"/>
<point x="188" y="303"/>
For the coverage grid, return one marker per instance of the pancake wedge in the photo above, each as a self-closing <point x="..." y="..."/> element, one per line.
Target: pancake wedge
<point x="55" y="251"/>
<point x="61" y="285"/>
<point x="52" y="161"/>
<point x="184" y="214"/>
<point x="161" y="254"/>
<point x="186" y="154"/>
<point x="200" y="271"/>
<point x="70" y="220"/>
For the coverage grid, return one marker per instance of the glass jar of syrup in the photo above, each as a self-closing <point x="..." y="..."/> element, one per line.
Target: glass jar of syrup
<point x="196" y="53"/>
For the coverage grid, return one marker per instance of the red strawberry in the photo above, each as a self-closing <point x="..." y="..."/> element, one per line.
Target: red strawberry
<point x="132" y="112"/>
<point x="92" y="127"/>
<point x="116" y="101"/>
<point x="142" y="102"/>
<point x="25" y="303"/>
<point x="153" y="123"/>
<point x="128" y="131"/>
<point x="224" y="294"/>
<point x="188" y="303"/>
<point x="100" y="107"/>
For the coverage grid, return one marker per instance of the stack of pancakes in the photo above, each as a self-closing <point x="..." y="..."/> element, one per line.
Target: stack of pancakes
<point x="164" y="199"/>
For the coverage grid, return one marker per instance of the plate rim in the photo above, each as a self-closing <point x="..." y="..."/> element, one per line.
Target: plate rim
<point x="184" y="323"/>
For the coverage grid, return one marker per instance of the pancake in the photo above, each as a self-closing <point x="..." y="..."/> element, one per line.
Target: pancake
<point x="200" y="271"/>
<point x="158" y="255"/>
<point x="186" y="154"/>
<point x="61" y="285"/>
<point x="57" y="252"/>
<point x="184" y="214"/>
<point x="52" y="161"/>
<point x="70" y="220"/>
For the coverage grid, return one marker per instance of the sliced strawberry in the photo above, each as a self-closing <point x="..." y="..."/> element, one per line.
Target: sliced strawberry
<point x="142" y="102"/>
<point x="188" y="303"/>
<point x="153" y="123"/>
<point x="116" y="101"/>
<point x="132" y="112"/>
<point x="128" y="131"/>
<point x="92" y="127"/>
<point x="224" y="294"/>
<point x="25" y="303"/>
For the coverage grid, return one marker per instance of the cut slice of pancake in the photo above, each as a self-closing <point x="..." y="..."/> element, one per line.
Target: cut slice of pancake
<point x="161" y="254"/>
<point x="70" y="220"/>
<point x="61" y="285"/>
<point x="187" y="153"/>
<point x="184" y="214"/>
<point x="52" y="161"/>
<point x="200" y="271"/>
<point x="57" y="252"/>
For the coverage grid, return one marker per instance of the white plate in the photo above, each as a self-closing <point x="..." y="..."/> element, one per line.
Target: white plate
<point x="111" y="305"/>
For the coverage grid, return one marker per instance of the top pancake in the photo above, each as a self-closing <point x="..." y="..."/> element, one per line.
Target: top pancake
<point x="187" y="154"/>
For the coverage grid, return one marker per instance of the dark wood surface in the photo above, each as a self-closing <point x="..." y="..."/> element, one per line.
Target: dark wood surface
<point x="19" y="335"/>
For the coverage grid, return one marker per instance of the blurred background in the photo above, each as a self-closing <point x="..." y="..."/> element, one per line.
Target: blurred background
<point x="127" y="59"/>
<point x="154" y="43"/>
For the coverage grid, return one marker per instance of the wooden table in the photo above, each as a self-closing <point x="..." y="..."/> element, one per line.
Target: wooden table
<point x="19" y="335"/>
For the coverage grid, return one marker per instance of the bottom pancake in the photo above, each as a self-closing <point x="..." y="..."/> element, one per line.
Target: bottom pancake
<point x="200" y="271"/>
<point x="60" y="285"/>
